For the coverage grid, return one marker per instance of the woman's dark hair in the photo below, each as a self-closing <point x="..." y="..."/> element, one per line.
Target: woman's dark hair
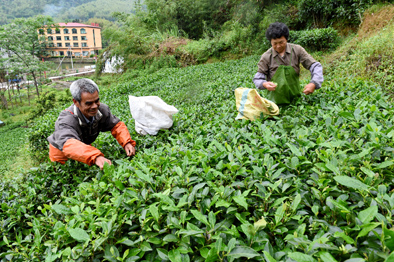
<point x="277" y="30"/>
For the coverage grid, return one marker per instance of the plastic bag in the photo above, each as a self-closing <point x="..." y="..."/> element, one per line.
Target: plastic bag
<point x="151" y="114"/>
<point x="251" y="105"/>
<point x="288" y="86"/>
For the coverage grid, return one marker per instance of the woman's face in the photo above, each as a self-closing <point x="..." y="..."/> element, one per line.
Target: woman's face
<point x="279" y="44"/>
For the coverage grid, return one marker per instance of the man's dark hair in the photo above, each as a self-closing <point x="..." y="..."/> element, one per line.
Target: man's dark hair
<point x="277" y="30"/>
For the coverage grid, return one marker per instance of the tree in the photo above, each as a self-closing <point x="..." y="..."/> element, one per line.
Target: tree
<point x="189" y="16"/>
<point x="21" y="39"/>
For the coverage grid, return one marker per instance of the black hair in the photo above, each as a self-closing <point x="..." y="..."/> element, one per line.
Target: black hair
<point x="277" y="30"/>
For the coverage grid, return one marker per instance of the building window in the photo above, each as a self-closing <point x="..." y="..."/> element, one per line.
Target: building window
<point x="66" y="38"/>
<point x="75" y="38"/>
<point x="83" y="31"/>
<point x="51" y="45"/>
<point x="41" y="31"/>
<point x="85" y="53"/>
<point x="49" y="31"/>
<point x="50" y="38"/>
<point x="77" y="54"/>
<point x="83" y="38"/>
<point x="61" y="53"/>
<point x="92" y="52"/>
<point x="59" y="38"/>
<point x="69" y="53"/>
<point x="65" y="31"/>
<point x="59" y="45"/>
<point x="74" y="31"/>
<point x="84" y="44"/>
<point x="57" y="31"/>
<point x="75" y="44"/>
<point x="68" y="44"/>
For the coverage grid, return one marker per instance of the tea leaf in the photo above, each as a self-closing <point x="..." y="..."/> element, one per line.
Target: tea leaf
<point x="351" y="182"/>
<point x="345" y="237"/>
<point x="368" y="214"/>
<point x="390" y="258"/>
<point x="175" y="256"/>
<point x="200" y="217"/>
<point x="338" y="205"/>
<point x="154" y="211"/>
<point x="367" y="228"/>
<point x="241" y="200"/>
<point x="388" y="237"/>
<point x="61" y="209"/>
<point x="268" y="257"/>
<point x="260" y="224"/>
<point x="367" y="172"/>
<point x="280" y="212"/>
<point x="385" y="164"/>
<point x="299" y="257"/>
<point x="170" y="238"/>
<point x="296" y="202"/>
<point x="79" y="234"/>
<point x="243" y="251"/>
<point x="326" y="257"/>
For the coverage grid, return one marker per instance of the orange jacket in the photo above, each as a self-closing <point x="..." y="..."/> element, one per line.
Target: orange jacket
<point x="73" y="135"/>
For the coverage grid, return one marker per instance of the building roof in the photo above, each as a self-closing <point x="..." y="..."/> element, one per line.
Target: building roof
<point x="78" y="25"/>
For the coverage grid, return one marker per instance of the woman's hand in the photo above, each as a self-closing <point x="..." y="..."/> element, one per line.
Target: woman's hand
<point x="270" y="86"/>
<point x="309" y="89"/>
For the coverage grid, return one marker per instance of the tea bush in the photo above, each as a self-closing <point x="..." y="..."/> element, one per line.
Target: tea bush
<point x="314" y="183"/>
<point x="316" y="39"/>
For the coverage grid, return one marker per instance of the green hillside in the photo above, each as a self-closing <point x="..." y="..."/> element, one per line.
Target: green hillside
<point x="62" y="10"/>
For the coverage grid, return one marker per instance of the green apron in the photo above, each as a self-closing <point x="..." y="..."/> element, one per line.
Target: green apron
<point x="288" y="88"/>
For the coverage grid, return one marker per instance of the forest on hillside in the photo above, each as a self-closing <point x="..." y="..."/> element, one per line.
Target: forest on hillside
<point x="177" y="33"/>
<point x="62" y="10"/>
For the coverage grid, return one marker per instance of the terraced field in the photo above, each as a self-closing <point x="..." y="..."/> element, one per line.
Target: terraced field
<point x="313" y="184"/>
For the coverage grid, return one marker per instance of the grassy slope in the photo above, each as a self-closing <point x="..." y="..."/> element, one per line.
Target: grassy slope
<point x="12" y="147"/>
<point x="15" y="157"/>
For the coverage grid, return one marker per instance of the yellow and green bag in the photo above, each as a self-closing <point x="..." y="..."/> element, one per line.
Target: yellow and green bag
<point x="251" y="105"/>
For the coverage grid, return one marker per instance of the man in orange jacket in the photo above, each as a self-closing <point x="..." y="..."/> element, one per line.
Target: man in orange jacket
<point x="79" y="125"/>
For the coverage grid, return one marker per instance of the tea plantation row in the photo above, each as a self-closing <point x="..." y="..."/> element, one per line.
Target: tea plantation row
<point x="314" y="184"/>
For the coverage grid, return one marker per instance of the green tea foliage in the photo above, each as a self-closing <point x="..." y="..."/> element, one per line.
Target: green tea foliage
<point x="313" y="184"/>
<point x="316" y="39"/>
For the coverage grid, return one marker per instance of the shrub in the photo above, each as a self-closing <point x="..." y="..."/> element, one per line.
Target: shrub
<point x="316" y="39"/>
<point x="234" y="38"/>
<point x="322" y="13"/>
<point x="37" y="135"/>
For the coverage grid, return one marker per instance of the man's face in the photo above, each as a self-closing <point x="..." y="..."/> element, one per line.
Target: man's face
<point x="89" y="104"/>
<point x="279" y="44"/>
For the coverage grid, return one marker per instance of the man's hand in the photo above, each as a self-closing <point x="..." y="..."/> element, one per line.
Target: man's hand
<point x="270" y="86"/>
<point x="130" y="150"/>
<point x="100" y="160"/>
<point x="309" y="89"/>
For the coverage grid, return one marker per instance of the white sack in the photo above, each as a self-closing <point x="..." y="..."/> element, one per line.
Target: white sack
<point x="151" y="114"/>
